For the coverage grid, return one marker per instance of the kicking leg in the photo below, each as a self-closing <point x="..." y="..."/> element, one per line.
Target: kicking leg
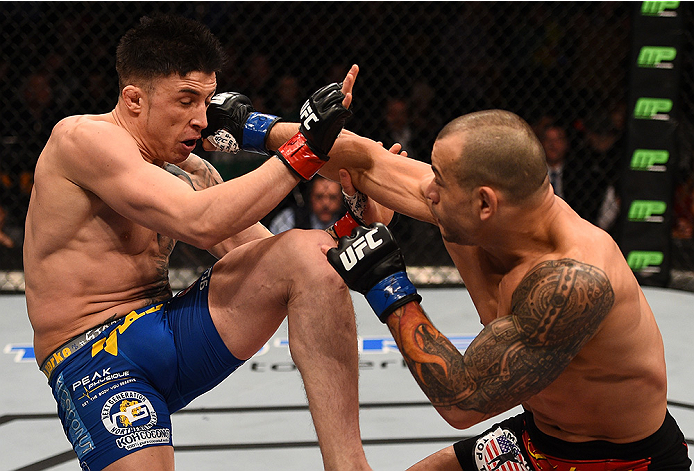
<point x="254" y="287"/>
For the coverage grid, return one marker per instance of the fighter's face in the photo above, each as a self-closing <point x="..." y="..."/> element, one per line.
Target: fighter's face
<point x="451" y="205"/>
<point x="176" y="113"/>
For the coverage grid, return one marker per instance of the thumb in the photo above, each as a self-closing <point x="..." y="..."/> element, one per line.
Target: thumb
<point x="346" y="182"/>
<point x="208" y="146"/>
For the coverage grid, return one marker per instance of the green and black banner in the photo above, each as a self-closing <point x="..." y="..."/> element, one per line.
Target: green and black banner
<point x="654" y="105"/>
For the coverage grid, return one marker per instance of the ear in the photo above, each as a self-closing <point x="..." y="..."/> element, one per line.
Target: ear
<point x="132" y="98"/>
<point x="488" y="202"/>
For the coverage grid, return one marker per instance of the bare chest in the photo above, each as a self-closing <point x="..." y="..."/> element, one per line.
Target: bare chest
<point x="129" y="238"/>
<point x="492" y="294"/>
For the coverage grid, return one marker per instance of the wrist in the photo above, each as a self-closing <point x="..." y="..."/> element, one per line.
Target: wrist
<point x="299" y="157"/>
<point x="343" y="226"/>
<point x="256" y="130"/>
<point x="390" y="293"/>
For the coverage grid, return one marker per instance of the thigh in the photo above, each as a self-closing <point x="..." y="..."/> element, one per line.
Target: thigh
<point x="159" y="458"/>
<point x="202" y="360"/>
<point x="252" y="286"/>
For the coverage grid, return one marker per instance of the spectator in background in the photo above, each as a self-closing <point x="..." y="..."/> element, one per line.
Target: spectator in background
<point x="601" y="151"/>
<point x="425" y="124"/>
<point x="257" y="81"/>
<point x="397" y="127"/>
<point x="568" y="172"/>
<point x="288" y="101"/>
<point x="556" y="146"/>
<point x="26" y="125"/>
<point x="38" y="104"/>
<point x="323" y="209"/>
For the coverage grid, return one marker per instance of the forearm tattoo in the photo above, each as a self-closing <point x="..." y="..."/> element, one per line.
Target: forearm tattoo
<point x="555" y="310"/>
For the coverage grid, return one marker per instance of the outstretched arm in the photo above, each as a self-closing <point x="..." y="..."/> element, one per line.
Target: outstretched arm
<point x="555" y="310"/>
<point x="396" y="182"/>
<point x="151" y="197"/>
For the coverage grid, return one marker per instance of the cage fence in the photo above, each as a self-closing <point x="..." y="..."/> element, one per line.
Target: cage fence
<point x="562" y="66"/>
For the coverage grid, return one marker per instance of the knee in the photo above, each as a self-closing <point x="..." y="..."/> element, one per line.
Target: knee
<point x="307" y="259"/>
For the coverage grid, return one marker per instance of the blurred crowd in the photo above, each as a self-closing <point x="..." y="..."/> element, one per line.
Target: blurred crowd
<point x="563" y="69"/>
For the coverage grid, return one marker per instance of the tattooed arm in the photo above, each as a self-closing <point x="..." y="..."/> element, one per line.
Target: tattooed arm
<point x="555" y="310"/>
<point x="200" y="174"/>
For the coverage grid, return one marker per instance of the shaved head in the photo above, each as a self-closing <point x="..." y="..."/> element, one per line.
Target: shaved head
<point x="500" y="150"/>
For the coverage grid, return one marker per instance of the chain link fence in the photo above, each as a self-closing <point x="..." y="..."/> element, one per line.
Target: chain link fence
<point x="563" y="66"/>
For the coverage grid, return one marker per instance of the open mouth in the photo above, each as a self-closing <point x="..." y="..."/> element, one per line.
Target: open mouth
<point x="190" y="143"/>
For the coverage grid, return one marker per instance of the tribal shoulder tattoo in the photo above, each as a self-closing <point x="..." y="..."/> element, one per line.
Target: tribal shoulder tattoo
<point x="555" y="310"/>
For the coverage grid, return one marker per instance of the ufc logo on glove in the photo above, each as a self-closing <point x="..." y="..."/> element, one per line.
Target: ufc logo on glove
<point x="355" y="252"/>
<point x="371" y="263"/>
<point x="307" y="115"/>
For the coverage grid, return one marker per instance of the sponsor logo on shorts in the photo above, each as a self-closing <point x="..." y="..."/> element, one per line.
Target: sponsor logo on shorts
<point x="75" y="429"/>
<point x="110" y="344"/>
<point x="155" y="436"/>
<point x="128" y="412"/>
<point x="99" y="378"/>
<point x="499" y="451"/>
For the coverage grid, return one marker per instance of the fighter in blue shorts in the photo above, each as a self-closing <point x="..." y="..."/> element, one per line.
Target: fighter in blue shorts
<point x="113" y="193"/>
<point x="121" y="382"/>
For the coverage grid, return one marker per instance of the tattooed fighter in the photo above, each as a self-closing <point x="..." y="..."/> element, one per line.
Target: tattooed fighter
<point x="567" y="333"/>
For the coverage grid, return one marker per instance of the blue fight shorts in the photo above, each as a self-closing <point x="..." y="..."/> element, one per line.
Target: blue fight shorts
<point x="116" y="385"/>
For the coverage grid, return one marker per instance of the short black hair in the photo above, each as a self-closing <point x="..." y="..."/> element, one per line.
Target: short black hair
<point x="163" y="45"/>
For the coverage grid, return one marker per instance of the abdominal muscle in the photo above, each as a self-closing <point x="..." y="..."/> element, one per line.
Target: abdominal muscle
<point x="580" y="407"/>
<point x="70" y="292"/>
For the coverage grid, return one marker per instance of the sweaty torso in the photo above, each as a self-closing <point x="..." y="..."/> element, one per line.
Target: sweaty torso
<point x="84" y="263"/>
<point x="615" y="387"/>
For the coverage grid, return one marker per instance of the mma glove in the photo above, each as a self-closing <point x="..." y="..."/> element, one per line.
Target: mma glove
<point x="322" y="119"/>
<point x="233" y="124"/>
<point x="370" y="262"/>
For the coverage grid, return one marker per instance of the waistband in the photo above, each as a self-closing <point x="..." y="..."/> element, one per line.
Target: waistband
<point x="71" y="346"/>
<point x="667" y="435"/>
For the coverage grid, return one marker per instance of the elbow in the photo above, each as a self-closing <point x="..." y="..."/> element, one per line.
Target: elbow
<point x="200" y="235"/>
<point x="460" y="419"/>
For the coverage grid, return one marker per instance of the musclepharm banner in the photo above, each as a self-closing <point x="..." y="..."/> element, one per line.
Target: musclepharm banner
<point x="654" y="104"/>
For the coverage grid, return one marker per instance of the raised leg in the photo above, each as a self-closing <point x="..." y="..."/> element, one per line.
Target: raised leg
<point x="254" y="287"/>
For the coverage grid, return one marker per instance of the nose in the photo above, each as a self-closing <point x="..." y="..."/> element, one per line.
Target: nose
<point x="431" y="192"/>
<point x="199" y="120"/>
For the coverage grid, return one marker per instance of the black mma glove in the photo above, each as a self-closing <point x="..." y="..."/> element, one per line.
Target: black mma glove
<point x="371" y="263"/>
<point x="233" y="124"/>
<point x="322" y="118"/>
